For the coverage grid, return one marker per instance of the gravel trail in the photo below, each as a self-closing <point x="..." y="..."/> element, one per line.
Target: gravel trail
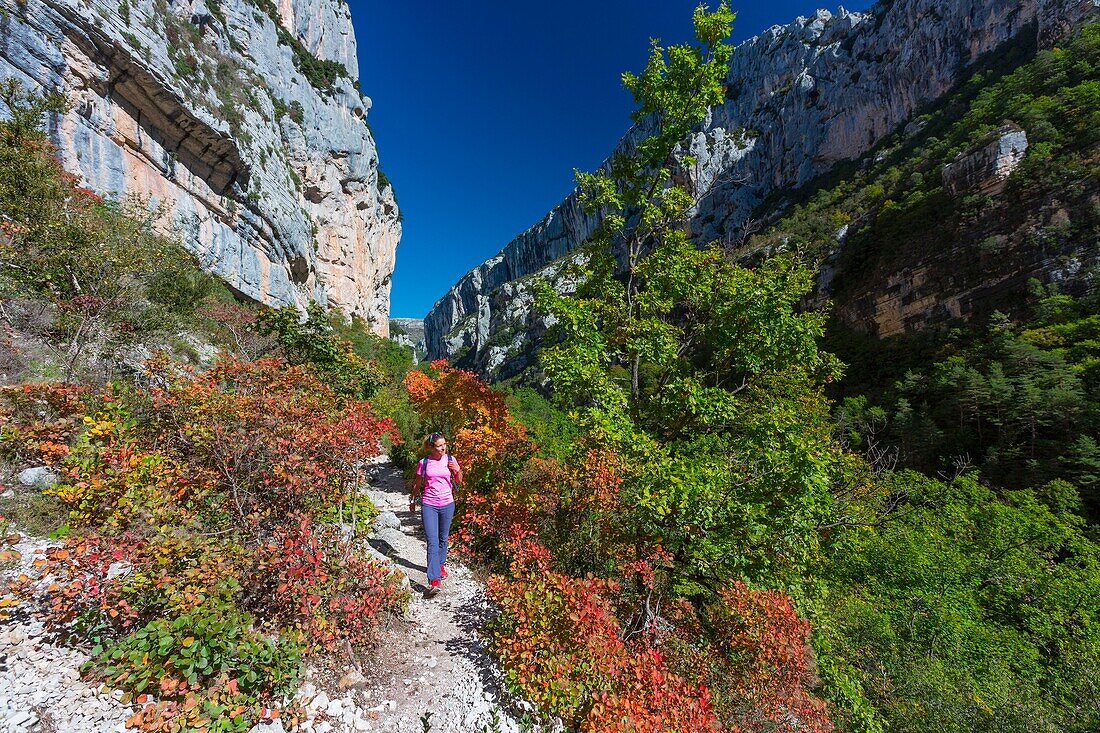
<point x="436" y="661"/>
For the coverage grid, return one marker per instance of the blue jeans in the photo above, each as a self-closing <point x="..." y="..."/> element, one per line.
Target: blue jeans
<point x="437" y="527"/>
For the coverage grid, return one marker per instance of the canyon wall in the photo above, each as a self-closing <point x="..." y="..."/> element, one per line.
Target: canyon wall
<point x="238" y="122"/>
<point x="801" y="98"/>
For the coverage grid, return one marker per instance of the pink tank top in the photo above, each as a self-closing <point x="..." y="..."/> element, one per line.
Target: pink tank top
<point x="438" y="487"/>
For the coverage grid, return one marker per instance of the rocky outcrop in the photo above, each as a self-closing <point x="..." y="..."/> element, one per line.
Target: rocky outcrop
<point x="238" y="121"/>
<point x="409" y="332"/>
<point x="986" y="169"/>
<point x="800" y="99"/>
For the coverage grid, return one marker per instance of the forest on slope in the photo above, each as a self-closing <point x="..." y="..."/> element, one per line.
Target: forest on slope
<point x="1011" y="388"/>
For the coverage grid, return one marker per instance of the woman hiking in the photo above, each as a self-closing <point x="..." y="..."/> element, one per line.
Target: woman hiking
<point x="434" y="486"/>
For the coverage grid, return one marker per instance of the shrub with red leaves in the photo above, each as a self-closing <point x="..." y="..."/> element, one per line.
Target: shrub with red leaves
<point x="38" y="420"/>
<point x="559" y="641"/>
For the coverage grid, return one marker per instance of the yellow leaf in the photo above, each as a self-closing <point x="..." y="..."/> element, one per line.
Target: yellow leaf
<point x="188" y="641"/>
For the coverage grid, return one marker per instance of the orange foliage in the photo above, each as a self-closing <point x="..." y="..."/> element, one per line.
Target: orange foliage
<point x="474" y="418"/>
<point x="558" y="639"/>
<point x="492" y="448"/>
<point x="312" y="581"/>
<point x="194" y="501"/>
<point x="765" y="666"/>
<point x="273" y="439"/>
<point x="37" y="421"/>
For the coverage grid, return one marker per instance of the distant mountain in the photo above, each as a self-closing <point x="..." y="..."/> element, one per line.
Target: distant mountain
<point x="808" y="104"/>
<point x="409" y="332"/>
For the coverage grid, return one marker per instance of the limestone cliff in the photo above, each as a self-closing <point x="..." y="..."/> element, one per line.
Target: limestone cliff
<point x="801" y="98"/>
<point x="239" y="121"/>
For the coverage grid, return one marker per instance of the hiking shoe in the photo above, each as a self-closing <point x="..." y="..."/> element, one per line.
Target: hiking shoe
<point x="442" y="571"/>
<point x="433" y="588"/>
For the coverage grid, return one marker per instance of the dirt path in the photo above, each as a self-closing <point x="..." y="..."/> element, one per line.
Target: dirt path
<point x="435" y="661"/>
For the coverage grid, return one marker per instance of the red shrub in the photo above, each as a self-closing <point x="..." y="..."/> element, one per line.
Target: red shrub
<point x="276" y="440"/>
<point x="313" y="581"/>
<point x="37" y="421"/>
<point x="558" y="639"/>
<point x="763" y="664"/>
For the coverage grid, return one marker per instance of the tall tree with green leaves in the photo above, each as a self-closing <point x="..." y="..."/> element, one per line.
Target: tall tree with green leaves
<point x="698" y="370"/>
<point x="635" y="193"/>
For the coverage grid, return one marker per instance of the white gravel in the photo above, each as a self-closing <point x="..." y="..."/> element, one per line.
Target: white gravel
<point x="40" y="685"/>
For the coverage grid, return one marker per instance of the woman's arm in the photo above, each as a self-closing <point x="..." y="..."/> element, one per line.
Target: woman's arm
<point x="456" y="470"/>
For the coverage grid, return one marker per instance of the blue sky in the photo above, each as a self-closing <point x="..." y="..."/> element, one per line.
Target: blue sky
<point x="483" y="109"/>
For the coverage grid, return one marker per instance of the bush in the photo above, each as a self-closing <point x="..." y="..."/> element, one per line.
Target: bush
<point x="313" y="341"/>
<point x="559" y="641"/>
<point x="37" y="421"/>
<point x="550" y="429"/>
<point x="202" y="500"/>
<point x="195" y="649"/>
<point x="978" y="612"/>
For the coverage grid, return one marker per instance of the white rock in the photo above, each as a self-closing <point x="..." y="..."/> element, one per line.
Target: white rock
<point x="118" y="570"/>
<point x="22" y="718"/>
<point x="320" y="702"/>
<point x="39" y="477"/>
<point x="268" y="726"/>
<point x="387" y="519"/>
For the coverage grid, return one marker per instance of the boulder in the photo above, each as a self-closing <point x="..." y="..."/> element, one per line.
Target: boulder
<point x="387" y="520"/>
<point x="278" y="192"/>
<point x="39" y="477"/>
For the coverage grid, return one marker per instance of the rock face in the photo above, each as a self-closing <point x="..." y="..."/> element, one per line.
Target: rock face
<point x="801" y="98"/>
<point x="986" y="169"/>
<point x="409" y="332"/>
<point x="240" y="121"/>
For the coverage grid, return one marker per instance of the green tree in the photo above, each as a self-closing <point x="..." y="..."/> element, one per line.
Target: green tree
<point x="698" y="370"/>
<point x="313" y="340"/>
<point x="970" y="611"/>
